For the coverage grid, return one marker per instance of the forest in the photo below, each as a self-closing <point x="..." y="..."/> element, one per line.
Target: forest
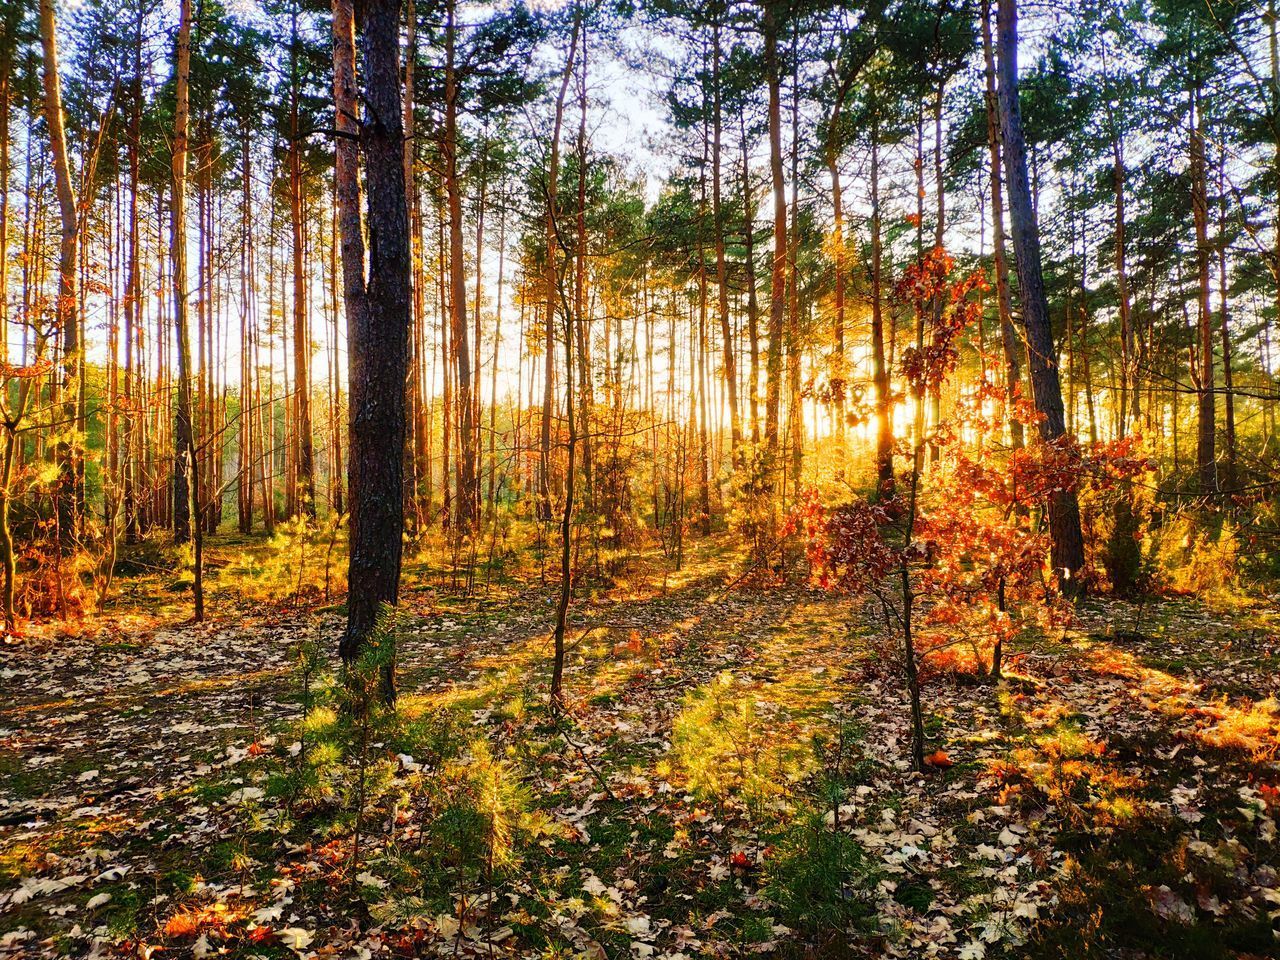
<point x="640" y="479"/>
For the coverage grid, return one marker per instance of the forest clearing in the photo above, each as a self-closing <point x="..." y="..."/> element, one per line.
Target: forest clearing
<point x="165" y="793"/>
<point x="642" y="479"/>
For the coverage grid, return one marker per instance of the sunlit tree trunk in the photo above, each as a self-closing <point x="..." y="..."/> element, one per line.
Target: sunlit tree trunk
<point x="717" y="215"/>
<point x="1231" y="468"/>
<point x="68" y="297"/>
<point x="8" y="44"/>
<point x="699" y="359"/>
<point x="497" y="350"/>
<point x="795" y="406"/>
<point x="378" y="314"/>
<point x="935" y="391"/>
<point x="413" y="452"/>
<point x="244" y="480"/>
<point x="1206" y="463"/>
<point x="133" y="291"/>
<point x="551" y="282"/>
<point x="186" y="471"/>
<point x="304" y="450"/>
<point x="879" y="362"/>
<point x="582" y="316"/>
<point x="753" y="306"/>
<point x="1008" y="334"/>
<point x="447" y="484"/>
<point x="778" y="285"/>
<point x="1064" y="510"/>
<point x="465" y="500"/>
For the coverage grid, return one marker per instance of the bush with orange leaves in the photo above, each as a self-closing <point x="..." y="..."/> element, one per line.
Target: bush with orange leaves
<point x="966" y="540"/>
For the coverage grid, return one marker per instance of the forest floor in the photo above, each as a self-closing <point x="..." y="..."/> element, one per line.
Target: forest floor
<point x="731" y="780"/>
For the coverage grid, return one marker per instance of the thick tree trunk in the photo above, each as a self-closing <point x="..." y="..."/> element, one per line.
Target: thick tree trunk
<point x="1064" y="509"/>
<point x="378" y="316"/>
<point x="68" y="296"/>
<point x="1008" y="334"/>
<point x="417" y="466"/>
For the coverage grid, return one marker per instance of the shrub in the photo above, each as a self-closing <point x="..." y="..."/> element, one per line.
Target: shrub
<point x="726" y="752"/>
<point x="1189" y="559"/>
<point x="820" y="878"/>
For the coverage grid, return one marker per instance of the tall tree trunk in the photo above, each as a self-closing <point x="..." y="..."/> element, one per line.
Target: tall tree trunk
<point x="582" y="318"/>
<point x="466" y="500"/>
<point x="186" y="469"/>
<point x="1231" y="469"/>
<point x="1008" y="334"/>
<point x="446" y="373"/>
<point x="566" y="519"/>
<point x="497" y="350"/>
<point x="699" y="359"/>
<point x="1130" y="401"/>
<point x="417" y="467"/>
<point x="244" y="481"/>
<point x="336" y="407"/>
<point x="1206" y="463"/>
<point x="477" y="365"/>
<point x="722" y="282"/>
<point x="778" y="285"/>
<point x="753" y="305"/>
<point x="879" y="363"/>
<point x="551" y="282"/>
<point x="304" y="450"/>
<point x="1064" y="509"/>
<point x="133" y="290"/>
<point x="68" y="297"/>
<point x="8" y="44"/>
<point x="935" y="391"/>
<point x="378" y="315"/>
<point x="1273" y="43"/>
<point x="795" y="405"/>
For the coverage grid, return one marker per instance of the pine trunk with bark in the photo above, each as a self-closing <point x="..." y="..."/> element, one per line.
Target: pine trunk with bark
<point x="186" y="469"/>
<point x="378" y="314"/>
<point x="778" y="284"/>
<point x="1000" y="262"/>
<point x="304" y="449"/>
<point x="1206" y="462"/>
<point x="466" y="499"/>
<point x="68" y="300"/>
<point x="1064" y="509"/>
<point x="722" y="281"/>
